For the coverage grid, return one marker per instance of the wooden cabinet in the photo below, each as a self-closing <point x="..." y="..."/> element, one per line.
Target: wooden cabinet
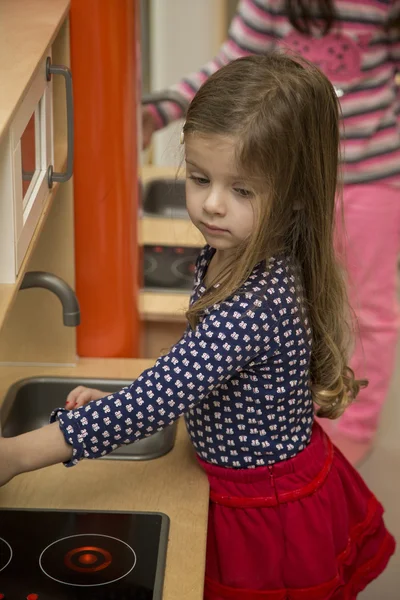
<point x="32" y="143"/>
<point x="36" y="220"/>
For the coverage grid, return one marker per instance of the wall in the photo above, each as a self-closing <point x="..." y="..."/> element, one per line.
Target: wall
<point x="183" y="36"/>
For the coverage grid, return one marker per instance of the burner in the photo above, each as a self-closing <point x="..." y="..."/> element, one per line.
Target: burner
<point x="87" y="560"/>
<point x="183" y="268"/>
<point x="5" y="554"/>
<point x="150" y="264"/>
<point x="169" y="267"/>
<point x="94" y="559"/>
<point x="82" y="554"/>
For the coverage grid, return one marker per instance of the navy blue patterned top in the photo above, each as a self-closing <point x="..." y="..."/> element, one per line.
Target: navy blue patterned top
<point x="241" y="379"/>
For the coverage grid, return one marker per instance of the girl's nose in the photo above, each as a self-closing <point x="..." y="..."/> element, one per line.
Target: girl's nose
<point x="215" y="203"/>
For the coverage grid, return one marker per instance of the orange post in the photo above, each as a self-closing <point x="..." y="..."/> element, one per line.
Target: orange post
<point x="104" y="57"/>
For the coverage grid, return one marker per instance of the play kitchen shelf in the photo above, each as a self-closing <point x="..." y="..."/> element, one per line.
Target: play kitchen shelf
<point x="170" y="245"/>
<point x="169" y="225"/>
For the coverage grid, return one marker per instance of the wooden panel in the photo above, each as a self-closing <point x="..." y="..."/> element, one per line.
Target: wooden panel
<point x="27" y="209"/>
<point x="149" y="172"/>
<point x="8" y="292"/>
<point x="34" y="331"/>
<point x="169" y="232"/>
<point x="159" y="337"/>
<point x="27" y="29"/>
<point x="158" y="306"/>
<point x="7" y="242"/>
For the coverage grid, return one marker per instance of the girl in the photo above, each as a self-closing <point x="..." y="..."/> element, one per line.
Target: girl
<point x="356" y="43"/>
<point x="289" y="517"/>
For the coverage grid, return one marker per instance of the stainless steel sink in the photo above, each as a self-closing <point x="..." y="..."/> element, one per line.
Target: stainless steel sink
<point x="165" y="198"/>
<point x="29" y="402"/>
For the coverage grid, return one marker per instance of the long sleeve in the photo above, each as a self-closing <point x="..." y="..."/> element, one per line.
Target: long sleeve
<point x="228" y="338"/>
<point x="251" y="32"/>
<point x="394" y="33"/>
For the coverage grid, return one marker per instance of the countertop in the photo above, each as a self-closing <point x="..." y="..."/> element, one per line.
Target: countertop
<point x="149" y="172"/>
<point x="173" y="484"/>
<point x="27" y="28"/>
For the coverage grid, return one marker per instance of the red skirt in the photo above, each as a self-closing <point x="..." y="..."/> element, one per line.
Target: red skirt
<point x="304" y="529"/>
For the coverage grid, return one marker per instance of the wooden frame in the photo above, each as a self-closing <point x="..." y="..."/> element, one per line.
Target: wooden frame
<point x="27" y="212"/>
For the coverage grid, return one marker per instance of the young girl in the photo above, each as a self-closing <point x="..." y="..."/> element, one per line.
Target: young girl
<point x="289" y="517"/>
<point x="356" y="43"/>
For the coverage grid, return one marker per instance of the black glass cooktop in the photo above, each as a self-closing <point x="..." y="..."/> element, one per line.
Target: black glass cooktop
<point x="82" y="555"/>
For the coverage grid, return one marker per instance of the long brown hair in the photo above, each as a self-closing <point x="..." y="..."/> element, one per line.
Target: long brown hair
<point x="309" y="15"/>
<point x="284" y="115"/>
<point x="318" y="16"/>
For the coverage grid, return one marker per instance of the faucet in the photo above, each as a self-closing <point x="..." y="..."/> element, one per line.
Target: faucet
<point x="48" y="281"/>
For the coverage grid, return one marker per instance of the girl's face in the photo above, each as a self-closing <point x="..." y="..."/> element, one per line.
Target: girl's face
<point x="220" y="202"/>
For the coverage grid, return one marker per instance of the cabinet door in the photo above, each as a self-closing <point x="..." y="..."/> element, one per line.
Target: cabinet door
<point x="32" y="152"/>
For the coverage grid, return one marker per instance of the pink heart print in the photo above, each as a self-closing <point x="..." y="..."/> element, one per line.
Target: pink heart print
<point x="336" y="54"/>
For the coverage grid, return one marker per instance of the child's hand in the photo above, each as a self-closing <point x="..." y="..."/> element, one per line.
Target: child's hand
<point x="82" y="395"/>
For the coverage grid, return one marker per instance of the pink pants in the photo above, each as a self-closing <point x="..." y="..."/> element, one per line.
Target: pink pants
<point x="372" y="222"/>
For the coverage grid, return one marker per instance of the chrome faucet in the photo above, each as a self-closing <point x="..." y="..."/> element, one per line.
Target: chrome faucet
<point x="68" y="299"/>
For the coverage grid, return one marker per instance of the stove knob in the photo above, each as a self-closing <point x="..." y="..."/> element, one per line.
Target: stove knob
<point x="32" y="597"/>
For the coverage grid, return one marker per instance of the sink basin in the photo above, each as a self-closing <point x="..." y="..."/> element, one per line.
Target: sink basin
<point x="29" y="402"/>
<point x="165" y="198"/>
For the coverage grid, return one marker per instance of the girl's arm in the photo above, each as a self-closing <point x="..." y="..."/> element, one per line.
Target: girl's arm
<point x="394" y="38"/>
<point x="251" y="32"/>
<point x="33" y="450"/>
<point x="228" y="338"/>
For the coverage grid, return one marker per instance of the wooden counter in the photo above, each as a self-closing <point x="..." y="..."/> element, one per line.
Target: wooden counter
<point x="173" y="484"/>
<point x="163" y="306"/>
<point x="149" y="172"/>
<point x="164" y="231"/>
<point x="27" y="29"/>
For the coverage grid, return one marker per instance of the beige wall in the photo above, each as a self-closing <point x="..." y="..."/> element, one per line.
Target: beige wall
<point x="183" y="36"/>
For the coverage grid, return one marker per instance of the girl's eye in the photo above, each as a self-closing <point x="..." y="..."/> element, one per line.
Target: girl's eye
<point x="243" y="192"/>
<point x="199" y="180"/>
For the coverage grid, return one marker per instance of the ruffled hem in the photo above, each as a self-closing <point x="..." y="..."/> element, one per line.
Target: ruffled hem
<point x="351" y="578"/>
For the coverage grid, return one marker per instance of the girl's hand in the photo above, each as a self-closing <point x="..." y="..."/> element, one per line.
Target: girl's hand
<point x="83" y="395"/>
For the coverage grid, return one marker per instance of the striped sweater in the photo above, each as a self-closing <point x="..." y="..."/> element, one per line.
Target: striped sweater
<point x="358" y="55"/>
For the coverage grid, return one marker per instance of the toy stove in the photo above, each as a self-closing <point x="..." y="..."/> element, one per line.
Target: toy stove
<point x="82" y="555"/>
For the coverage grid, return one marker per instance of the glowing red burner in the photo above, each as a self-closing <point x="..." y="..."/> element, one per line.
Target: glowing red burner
<point x="87" y="559"/>
<point x="93" y="558"/>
